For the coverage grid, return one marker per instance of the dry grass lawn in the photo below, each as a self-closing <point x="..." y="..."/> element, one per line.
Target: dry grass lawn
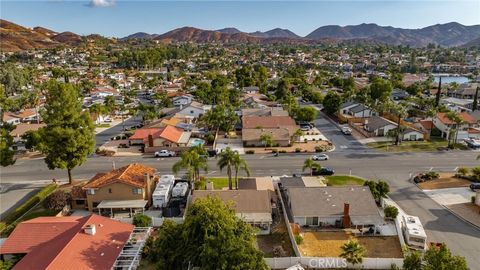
<point x="328" y="244"/>
<point x="468" y="211"/>
<point x="446" y="180"/>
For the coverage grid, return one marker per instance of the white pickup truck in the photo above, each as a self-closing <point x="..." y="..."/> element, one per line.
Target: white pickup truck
<point x="164" y="153"/>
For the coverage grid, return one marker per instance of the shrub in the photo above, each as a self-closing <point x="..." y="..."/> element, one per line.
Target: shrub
<point x="250" y="152"/>
<point x="274" y="151"/>
<point x="462" y="171"/>
<point x="141" y="220"/>
<point x="282" y="151"/>
<point x="298" y="150"/>
<point x="318" y="148"/>
<point x="390" y="211"/>
<point x="210" y="138"/>
<point x="473" y="199"/>
<point x="298" y="239"/>
<point x="57" y="200"/>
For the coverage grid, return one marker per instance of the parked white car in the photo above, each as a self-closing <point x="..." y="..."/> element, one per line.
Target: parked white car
<point x="164" y="153"/>
<point x="346" y="130"/>
<point x="320" y="157"/>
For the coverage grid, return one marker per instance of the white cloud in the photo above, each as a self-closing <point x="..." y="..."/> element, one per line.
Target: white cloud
<point x="102" y="3"/>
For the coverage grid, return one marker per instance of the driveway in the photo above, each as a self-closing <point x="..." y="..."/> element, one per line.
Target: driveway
<point x="448" y="196"/>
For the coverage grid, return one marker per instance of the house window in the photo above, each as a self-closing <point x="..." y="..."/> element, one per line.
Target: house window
<point x="312" y="221"/>
<point x="79" y="202"/>
<point x="109" y="190"/>
<point x="91" y="191"/>
<point x="137" y="190"/>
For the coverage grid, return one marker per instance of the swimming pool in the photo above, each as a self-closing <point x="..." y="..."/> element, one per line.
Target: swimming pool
<point x="196" y="142"/>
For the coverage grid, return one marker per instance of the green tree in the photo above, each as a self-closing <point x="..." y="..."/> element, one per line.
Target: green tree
<point x="193" y="161"/>
<point x="141" y="220"/>
<point x="353" y="252"/>
<point x="240" y="164"/>
<point x="69" y="136"/>
<point x="7" y="155"/>
<point x="475" y="99"/>
<point x="413" y="260"/>
<point x="332" y="102"/>
<point x="306" y="114"/>
<point x="458" y="120"/>
<point x="227" y="160"/>
<point x="442" y="258"/>
<point x="400" y="111"/>
<point x="311" y="164"/>
<point x="380" y="90"/>
<point x="390" y="211"/>
<point x="266" y="139"/>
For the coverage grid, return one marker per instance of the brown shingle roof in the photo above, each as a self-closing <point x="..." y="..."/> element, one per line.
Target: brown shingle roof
<point x="133" y="174"/>
<point x="278" y="134"/>
<point x="245" y="201"/>
<point x="267" y="121"/>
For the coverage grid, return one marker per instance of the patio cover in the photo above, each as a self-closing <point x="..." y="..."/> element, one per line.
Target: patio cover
<point x="115" y="204"/>
<point x="366" y="220"/>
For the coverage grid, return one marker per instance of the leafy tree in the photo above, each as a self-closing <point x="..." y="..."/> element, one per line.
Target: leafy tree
<point x="390" y="211"/>
<point x="69" y="136"/>
<point x="380" y="89"/>
<point x="378" y="189"/>
<point x="311" y="164"/>
<point x="458" y="120"/>
<point x="412" y="260"/>
<point x="475" y="99"/>
<point x="57" y="200"/>
<point x="282" y="90"/>
<point x="306" y="114"/>
<point x="227" y="160"/>
<point x="353" y="252"/>
<point x="332" y="102"/>
<point x="462" y="171"/>
<point x="222" y="117"/>
<point x="442" y="258"/>
<point x="6" y="142"/>
<point x="164" y="248"/>
<point x="141" y="220"/>
<point x="193" y="161"/>
<point x="400" y="111"/>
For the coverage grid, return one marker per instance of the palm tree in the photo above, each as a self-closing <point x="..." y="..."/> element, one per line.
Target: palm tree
<point x="312" y="165"/>
<point x="400" y="111"/>
<point x="266" y="139"/>
<point x="454" y="117"/>
<point x="193" y="161"/>
<point x="227" y="159"/>
<point x="298" y="133"/>
<point x="353" y="252"/>
<point x="240" y="164"/>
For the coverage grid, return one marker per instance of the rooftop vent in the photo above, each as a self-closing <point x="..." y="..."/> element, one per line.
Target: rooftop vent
<point x="90" y="229"/>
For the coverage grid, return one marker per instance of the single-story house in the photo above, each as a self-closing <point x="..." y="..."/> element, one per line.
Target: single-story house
<point x="250" y="89"/>
<point x="269" y="122"/>
<point x="379" y="126"/>
<point x="182" y="101"/>
<point x="194" y="109"/>
<point x="333" y="206"/>
<point x="23" y="128"/>
<point x="167" y="136"/>
<point x="73" y="242"/>
<point x="253" y="206"/>
<point x="360" y="110"/>
<point x="399" y="94"/>
<point x="304" y="181"/>
<point x="252" y="137"/>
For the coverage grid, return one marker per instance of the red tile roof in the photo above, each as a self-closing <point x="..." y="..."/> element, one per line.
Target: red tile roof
<point x="267" y="121"/>
<point x="171" y="133"/>
<point x="133" y="174"/>
<point x="142" y="134"/>
<point x="51" y="244"/>
<point x="168" y="132"/>
<point x="464" y="115"/>
<point x="427" y="124"/>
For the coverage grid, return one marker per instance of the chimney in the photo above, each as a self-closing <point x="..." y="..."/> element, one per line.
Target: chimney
<point x="90" y="229"/>
<point x="148" y="187"/>
<point x="150" y="140"/>
<point x="346" y="215"/>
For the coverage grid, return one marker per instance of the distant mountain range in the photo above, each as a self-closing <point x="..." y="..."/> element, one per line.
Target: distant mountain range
<point x="17" y="38"/>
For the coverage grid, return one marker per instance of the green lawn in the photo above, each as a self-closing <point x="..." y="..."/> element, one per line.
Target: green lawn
<point x="344" y="180"/>
<point x="420" y="146"/>
<point x="104" y="125"/>
<point x="219" y="182"/>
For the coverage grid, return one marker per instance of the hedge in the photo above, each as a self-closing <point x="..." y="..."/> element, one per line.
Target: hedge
<point x="27" y="205"/>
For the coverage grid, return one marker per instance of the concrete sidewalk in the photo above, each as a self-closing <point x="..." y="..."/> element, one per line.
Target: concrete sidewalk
<point x="449" y="196"/>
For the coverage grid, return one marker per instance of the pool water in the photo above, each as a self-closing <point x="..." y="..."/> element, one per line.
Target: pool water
<point x="196" y="142"/>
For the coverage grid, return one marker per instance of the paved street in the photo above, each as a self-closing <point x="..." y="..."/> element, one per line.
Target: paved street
<point x="350" y="157"/>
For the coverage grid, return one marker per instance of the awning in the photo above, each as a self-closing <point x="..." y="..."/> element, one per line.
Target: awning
<point x="367" y="220"/>
<point x="115" y="204"/>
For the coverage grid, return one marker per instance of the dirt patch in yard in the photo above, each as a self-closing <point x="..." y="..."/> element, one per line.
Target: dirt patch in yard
<point x="446" y="180"/>
<point x="329" y="244"/>
<point x="278" y="237"/>
<point x="467" y="211"/>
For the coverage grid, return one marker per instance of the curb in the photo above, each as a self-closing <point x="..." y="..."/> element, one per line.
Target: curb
<point x="461" y="218"/>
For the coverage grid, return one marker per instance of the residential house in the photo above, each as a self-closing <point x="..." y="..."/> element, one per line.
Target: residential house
<point x="399" y="94"/>
<point x="73" y="242"/>
<point x="360" y="111"/>
<point x="270" y="111"/>
<point x="10" y="119"/>
<point x="304" y="181"/>
<point x="280" y="128"/>
<point x="182" y="101"/>
<point x="129" y="187"/>
<point x="250" y="90"/>
<point x="333" y="206"/>
<point x="464" y="91"/>
<point x="25" y="116"/>
<point x="23" y="128"/>
<point x="465" y="130"/>
<point x="194" y="109"/>
<point x="253" y="206"/>
<point x="166" y="136"/>
<point x="458" y="104"/>
<point x="104" y="91"/>
<point x="379" y="126"/>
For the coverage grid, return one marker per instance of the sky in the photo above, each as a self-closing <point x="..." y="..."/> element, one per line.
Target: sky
<point x="119" y="18"/>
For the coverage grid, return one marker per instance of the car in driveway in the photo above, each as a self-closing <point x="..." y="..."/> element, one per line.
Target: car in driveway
<point x="475" y="186"/>
<point x="323" y="171"/>
<point x="164" y="153"/>
<point x="320" y="157"/>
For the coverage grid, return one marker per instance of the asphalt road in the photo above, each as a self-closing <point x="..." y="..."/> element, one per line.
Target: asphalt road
<point x="350" y="157"/>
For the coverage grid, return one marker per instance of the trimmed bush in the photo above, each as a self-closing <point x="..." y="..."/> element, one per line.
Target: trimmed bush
<point x="298" y="239"/>
<point x="298" y="150"/>
<point x="250" y="152"/>
<point x="57" y="200"/>
<point x="141" y="220"/>
<point x="473" y="199"/>
<point x="390" y="211"/>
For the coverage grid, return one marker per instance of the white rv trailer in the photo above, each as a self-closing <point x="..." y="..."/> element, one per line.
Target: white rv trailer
<point x="414" y="233"/>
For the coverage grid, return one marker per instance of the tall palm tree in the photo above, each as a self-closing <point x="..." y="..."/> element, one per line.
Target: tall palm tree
<point x="400" y="111"/>
<point x="240" y="164"/>
<point x="353" y="252"/>
<point x="193" y="161"/>
<point x="227" y="160"/>
<point x="311" y="164"/>
<point x="454" y="117"/>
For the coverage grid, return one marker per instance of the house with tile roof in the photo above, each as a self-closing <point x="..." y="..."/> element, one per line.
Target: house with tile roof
<point x="167" y="136"/>
<point x="469" y="127"/>
<point x="129" y="187"/>
<point x="73" y="242"/>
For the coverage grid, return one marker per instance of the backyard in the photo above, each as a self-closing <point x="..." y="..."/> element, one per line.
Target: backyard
<point x="433" y="144"/>
<point x="344" y="180"/>
<point x="328" y="244"/>
<point x="277" y="238"/>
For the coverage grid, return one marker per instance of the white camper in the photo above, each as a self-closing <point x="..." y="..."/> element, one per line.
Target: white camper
<point x="414" y="234"/>
<point x="180" y="189"/>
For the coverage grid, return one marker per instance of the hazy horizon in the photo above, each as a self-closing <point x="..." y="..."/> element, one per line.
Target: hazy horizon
<point x="121" y="18"/>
